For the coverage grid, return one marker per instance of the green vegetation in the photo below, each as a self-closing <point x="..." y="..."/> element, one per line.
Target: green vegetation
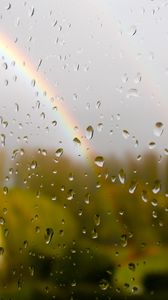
<point x="68" y="232"/>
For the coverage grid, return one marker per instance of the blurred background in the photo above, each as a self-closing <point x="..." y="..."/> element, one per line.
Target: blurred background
<point x="83" y="149"/>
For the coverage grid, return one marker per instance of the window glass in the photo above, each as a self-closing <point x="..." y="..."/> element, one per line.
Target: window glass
<point x="83" y="149"/>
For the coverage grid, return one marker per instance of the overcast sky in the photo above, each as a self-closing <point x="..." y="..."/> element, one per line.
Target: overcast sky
<point x="107" y="62"/>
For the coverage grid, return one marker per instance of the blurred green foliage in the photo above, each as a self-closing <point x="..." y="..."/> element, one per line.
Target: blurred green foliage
<point x="70" y="232"/>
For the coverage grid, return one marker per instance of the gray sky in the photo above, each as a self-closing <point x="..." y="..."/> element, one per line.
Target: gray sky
<point x="107" y="61"/>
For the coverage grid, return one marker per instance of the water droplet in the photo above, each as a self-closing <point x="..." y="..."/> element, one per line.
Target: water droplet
<point x="33" y="82"/>
<point x="166" y="151"/>
<point x="31" y="12"/>
<point x="138" y="78"/>
<point x="122" y="176"/>
<point x="94" y="234"/>
<point x="48" y="236"/>
<point x="59" y="152"/>
<point x="144" y="196"/>
<point x="8" y="6"/>
<point x="124" y="240"/>
<point x="98" y="104"/>
<point x="132" y="187"/>
<point x="131" y="266"/>
<point x="71" y="177"/>
<point x="89" y="132"/>
<point x="152" y="145"/>
<point x="99" y="161"/>
<point x="31" y="270"/>
<point x="125" y="78"/>
<point x="87" y="198"/>
<point x="1" y="250"/>
<point x="33" y="165"/>
<point x="100" y="127"/>
<point x="97" y="219"/>
<point x="2" y="221"/>
<point x="157" y="187"/>
<point x="159" y="128"/>
<point x="5" y="190"/>
<point x="125" y="134"/>
<point x="132" y="30"/>
<point x="132" y="93"/>
<point x="54" y="123"/>
<point x="71" y="194"/>
<point x="154" y="202"/>
<point x="103" y="284"/>
<point x="77" y="141"/>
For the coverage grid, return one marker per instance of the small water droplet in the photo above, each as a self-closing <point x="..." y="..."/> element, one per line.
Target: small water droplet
<point x="77" y="141"/>
<point x="132" y="187"/>
<point x="1" y="250"/>
<point x="158" y="129"/>
<point x="125" y="134"/>
<point x="33" y="82"/>
<point x="49" y="235"/>
<point x="99" y="161"/>
<point x="97" y="219"/>
<point x="144" y="196"/>
<point x="157" y="187"/>
<point x="131" y="266"/>
<point x="33" y="165"/>
<point x="132" y="30"/>
<point x="132" y="93"/>
<point x="54" y="123"/>
<point x="103" y="284"/>
<point x="125" y="78"/>
<point x="122" y="176"/>
<point x="5" y="190"/>
<point x="2" y="221"/>
<point x="138" y="78"/>
<point x="152" y="145"/>
<point x="100" y="127"/>
<point x="98" y="104"/>
<point x="31" y="270"/>
<point x="59" y="152"/>
<point x="89" y="132"/>
<point x="71" y="194"/>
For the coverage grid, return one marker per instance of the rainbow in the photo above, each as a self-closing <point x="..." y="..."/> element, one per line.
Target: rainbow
<point x="11" y="53"/>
